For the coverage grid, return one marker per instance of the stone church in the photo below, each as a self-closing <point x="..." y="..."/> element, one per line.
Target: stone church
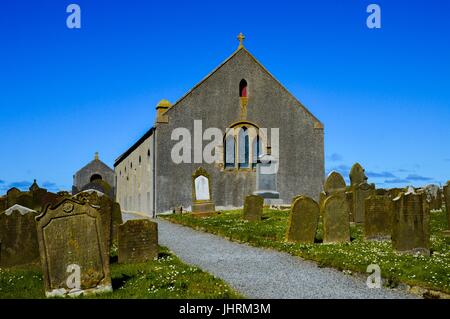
<point x="240" y="97"/>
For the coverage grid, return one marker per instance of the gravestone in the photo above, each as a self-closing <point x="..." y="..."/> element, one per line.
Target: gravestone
<point x="381" y="192"/>
<point x="201" y="192"/>
<point x="266" y="179"/>
<point x="18" y="237"/>
<point x="334" y="184"/>
<point x="105" y="206"/>
<point x="253" y="208"/>
<point x="357" y="175"/>
<point x="349" y="198"/>
<point x="117" y="220"/>
<point x="446" y="192"/>
<point x="11" y="196"/>
<point x="378" y="219"/>
<point x="434" y="195"/>
<point x="138" y="241"/>
<point x="72" y="249"/>
<point x="336" y="225"/>
<point x="2" y="203"/>
<point x="360" y="193"/>
<point x="410" y="228"/>
<point x="394" y="192"/>
<point x="303" y="220"/>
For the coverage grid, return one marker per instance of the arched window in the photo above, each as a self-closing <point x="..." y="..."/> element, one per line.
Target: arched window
<point x="96" y="177"/>
<point x="230" y="151"/>
<point x="140" y="159"/>
<point x="244" y="149"/>
<point x="148" y="153"/>
<point x="256" y="149"/>
<point x="243" y="88"/>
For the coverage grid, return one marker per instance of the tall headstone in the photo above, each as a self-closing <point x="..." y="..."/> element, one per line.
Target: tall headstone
<point x="336" y="225"/>
<point x="105" y="206"/>
<point x="138" y="241"/>
<point x="357" y="175"/>
<point x="253" y="208"/>
<point x="266" y="179"/>
<point x="360" y="193"/>
<point x="303" y="220"/>
<point x="410" y="229"/>
<point x="334" y="184"/>
<point x="201" y="192"/>
<point x="72" y="249"/>
<point x="446" y="191"/>
<point x="378" y="219"/>
<point x="18" y="237"/>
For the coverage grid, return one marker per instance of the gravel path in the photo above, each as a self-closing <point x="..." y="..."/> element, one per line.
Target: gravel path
<point x="263" y="273"/>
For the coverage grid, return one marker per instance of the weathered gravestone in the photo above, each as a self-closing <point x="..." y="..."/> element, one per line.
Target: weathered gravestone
<point x="2" y="203"/>
<point x="105" y="206"/>
<point x="201" y="192"/>
<point x="336" y="225"/>
<point x="303" y="220"/>
<point x="138" y="241"/>
<point x="349" y="198"/>
<point x="18" y="237"/>
<point x="434" y="195"/>
<point x="72" y="249"/>
<point x="116" y="221"/>
<point x="360" y="193"/>
<point x="378" y="219"/>
<point x="253" y="208"/>
<point x="446" y="191"/>
<point x="334" y="184"/>
<point x="357" y="175"/>
<point x="11" y="196"/>
<point x="410" y="228"/>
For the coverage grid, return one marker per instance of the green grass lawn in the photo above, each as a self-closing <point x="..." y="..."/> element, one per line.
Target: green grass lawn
<point x="165" y="278"/>
<point x="428" y="272"/>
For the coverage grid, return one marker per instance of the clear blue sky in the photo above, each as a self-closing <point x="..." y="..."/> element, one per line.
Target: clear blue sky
<point x="383" y="95"/>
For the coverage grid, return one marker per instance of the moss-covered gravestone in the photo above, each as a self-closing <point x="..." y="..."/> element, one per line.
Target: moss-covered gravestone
<point x="72" y="249"/>
<point x="336" y="225"/>
<point x="253" y="208"/>
<point x="378" y="219"/>
<point x="357" y="175"/>
<point x="18" y="237"/>
<point x="360" y="193"/>
<point x="104" y="204"/>
<point x="447" y="202"/>
<point x="334" y="184"/>
<point x="410" y="229"/>
<point x="303" y="220"/>
<point x="138" y="241"/>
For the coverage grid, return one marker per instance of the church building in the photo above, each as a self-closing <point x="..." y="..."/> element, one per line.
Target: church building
<point x="257" y="116"/>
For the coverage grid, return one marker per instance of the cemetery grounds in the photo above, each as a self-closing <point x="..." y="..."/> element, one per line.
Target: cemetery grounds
<point x="431" y="274"/>
<point x="164" y="278"/>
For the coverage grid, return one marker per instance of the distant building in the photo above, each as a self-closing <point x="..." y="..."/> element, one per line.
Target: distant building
<point x="96" y="170"/>
<point x="240" y="94"/>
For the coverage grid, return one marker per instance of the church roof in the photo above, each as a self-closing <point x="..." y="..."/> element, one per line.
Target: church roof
<point x="95" y="162"/>
<point x="317" y="123"/>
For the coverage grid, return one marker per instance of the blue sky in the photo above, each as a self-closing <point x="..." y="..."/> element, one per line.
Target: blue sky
<point x="383" y="95"/>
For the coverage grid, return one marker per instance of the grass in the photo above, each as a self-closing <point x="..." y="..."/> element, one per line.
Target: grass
<point x="165" y="278"/>
<point x="428" y="272"/>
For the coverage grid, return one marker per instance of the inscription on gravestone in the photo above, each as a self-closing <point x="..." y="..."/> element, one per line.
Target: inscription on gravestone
<point x="70" y="233"/>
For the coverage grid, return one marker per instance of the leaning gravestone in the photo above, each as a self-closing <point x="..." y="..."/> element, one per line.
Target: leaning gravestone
<point x="138" y="241"/>
<point x="72" y="249"/>
<point x="336" y="225"/>
<point x="253" y="207"/>
<point x="410" y="229"/>
<point x="378" y="219"/>
<point x="18" y="237"/>
<point x="303" y="220"/>
<point x="360" y="193"/>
